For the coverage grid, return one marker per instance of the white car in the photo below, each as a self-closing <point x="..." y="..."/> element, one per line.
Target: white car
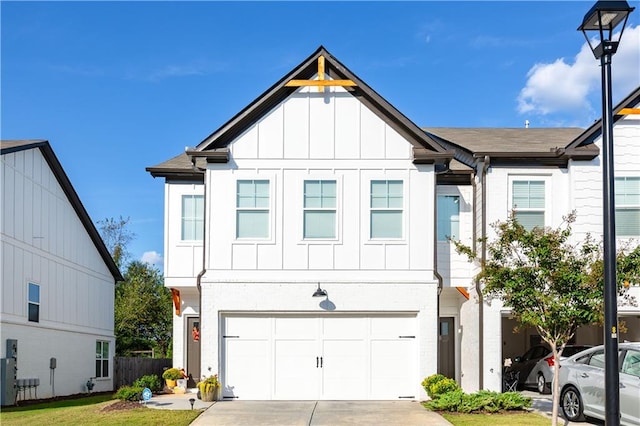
<point x="582" y="384"/>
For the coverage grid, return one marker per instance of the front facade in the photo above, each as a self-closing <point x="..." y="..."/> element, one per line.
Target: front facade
<point x="306" y="243"/>
<point x="57" y="281"/>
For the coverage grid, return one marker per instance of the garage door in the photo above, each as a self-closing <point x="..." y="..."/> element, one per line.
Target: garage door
<point x="300" y="357"/>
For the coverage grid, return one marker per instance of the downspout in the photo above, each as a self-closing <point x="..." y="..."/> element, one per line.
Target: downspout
<point x="435" y="260"/>
<point x="483" y="257"/>
<point x="204" y="257"/>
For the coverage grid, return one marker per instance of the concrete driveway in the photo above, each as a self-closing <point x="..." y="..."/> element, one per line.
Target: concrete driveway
<point x="316" y="413"/>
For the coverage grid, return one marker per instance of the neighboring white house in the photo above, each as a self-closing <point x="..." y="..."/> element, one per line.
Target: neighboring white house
<point x="57" y="279"/>
<point x="320" y="187"/>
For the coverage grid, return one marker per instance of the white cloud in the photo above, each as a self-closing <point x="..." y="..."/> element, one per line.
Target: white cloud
<point x="152" y="258"/>
<point x="564" y="88"/>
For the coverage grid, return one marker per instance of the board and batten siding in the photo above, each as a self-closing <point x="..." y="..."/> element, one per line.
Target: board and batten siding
<point x="44" y="242"/>
<point x="330" y="136"/>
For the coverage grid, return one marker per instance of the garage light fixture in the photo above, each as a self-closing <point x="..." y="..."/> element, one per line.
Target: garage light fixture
<point x="319" y="292"/>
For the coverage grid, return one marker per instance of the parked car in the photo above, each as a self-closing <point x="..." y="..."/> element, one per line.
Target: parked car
<point x="541" y="375"/>
<point x="582" y="384"/>
<point x="521" y="366"/>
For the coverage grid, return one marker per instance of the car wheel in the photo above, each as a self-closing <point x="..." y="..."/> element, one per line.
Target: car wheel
<point x="542" y="384"/>
<point x="572" y="404"/>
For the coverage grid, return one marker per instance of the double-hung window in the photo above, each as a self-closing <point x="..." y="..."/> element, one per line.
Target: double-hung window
<point x="448" y="217"/>
<point x="528" y="203"/>
<point x="192" y="218"/>
<point x="386" y="209"/>
<point x="33" y="303"/>
<point x="627" y="196"/>
<point x="319" y="209"/>
<point x="252" y="209"/>
<point x="102" y="358"/>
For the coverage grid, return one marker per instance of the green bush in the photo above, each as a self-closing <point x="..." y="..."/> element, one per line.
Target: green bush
<point x="172" y="374"/>
<point x="129" y="393"/>
<point x="150" y="381"/>
<point x="430" y="381"/>
<point x="482" y="401"/>
<point x="437" y="384"/>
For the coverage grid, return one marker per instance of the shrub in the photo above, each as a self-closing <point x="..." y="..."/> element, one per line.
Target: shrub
<point x="449" y="401"/>
<point x="437" y="384"/>
<point x="482" y="401"/>
<point x="129" y="393"/>
<point x="150" y="381"/>
<point x="172" y="374"/>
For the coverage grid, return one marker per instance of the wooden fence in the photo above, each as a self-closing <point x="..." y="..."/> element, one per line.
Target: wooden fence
<point x="127" y="370"/>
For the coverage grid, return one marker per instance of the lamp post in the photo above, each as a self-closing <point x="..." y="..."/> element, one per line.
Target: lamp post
<point x="602" y="19"/>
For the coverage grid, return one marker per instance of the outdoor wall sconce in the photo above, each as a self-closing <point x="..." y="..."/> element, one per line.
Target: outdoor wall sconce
<point x="319" y="292"/>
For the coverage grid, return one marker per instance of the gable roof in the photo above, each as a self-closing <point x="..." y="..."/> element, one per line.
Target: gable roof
<point x="214" y="147"/>
<point x="594" y="131"/>
<point x="9" y="146"/>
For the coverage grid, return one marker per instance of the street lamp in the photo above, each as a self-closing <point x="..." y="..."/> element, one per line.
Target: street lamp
<point x="600" y="22"/>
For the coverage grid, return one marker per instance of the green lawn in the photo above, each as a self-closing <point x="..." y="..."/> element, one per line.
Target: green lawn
<point x="501" y="419"/>
<point x="88" y="411"/>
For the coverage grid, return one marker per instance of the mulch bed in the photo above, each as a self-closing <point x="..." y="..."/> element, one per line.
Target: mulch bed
<point x="123" y="405"/>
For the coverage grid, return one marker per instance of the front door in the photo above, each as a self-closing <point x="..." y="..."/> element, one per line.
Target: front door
<point x="447" y="350"/>
<point x="193" y="350"/>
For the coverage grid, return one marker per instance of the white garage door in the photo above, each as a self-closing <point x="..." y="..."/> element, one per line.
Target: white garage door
<point x="300" y="357"/>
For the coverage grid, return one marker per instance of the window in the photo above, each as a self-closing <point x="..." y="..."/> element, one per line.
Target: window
<point x="528" y="203"/>
<point x="386" y="209"/>
<point x="631" y="363"/>
<point x="448" y="217"/>
<point x="252" y="213"/>
<point x="34" y="302"/>
<point x="192" y="217"/>
<point x="319" y="209"/>
<point x="627" y="206"/>
<point x="102" y="359"/>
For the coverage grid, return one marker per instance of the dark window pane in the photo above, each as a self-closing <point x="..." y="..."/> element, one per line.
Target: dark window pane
<point x="98" y="363"/>
<point x="105" y="368"/>
<point x="34" y="312"/>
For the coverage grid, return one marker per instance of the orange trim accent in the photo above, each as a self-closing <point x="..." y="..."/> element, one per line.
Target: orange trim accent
<point x="175" y="294"/>
<point x="626" y="111"/>
<point x="463" y="292"/>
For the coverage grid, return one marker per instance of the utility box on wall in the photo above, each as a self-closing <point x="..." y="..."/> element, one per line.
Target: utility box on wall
<point x="8" y="373"/>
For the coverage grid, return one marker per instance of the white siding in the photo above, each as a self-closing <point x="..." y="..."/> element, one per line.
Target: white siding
<point x="44" y="242"/>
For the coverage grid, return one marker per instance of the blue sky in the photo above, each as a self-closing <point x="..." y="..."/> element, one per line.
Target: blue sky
<point x="119" y="86"/>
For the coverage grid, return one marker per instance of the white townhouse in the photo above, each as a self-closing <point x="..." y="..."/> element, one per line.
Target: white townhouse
<point x="57" y="281"/>
<point x="542" y="174"/>
<point x="306" y="241"/>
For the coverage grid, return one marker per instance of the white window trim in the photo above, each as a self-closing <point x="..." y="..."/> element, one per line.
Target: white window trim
<point x="109" y="358"/>
<point x="192" y="241"/>
<point x="547" y="194"/>
<point x="301" y="209"/>
<point x="29" y="302"/>
<point x="625" y="207"/>
<point x="367" y="199"/>
<point x="272" y="192"/>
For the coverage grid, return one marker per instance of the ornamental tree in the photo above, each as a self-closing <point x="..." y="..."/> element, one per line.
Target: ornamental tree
<point x="548" y="282"/>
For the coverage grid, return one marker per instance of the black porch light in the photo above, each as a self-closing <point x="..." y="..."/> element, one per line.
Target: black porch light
<point x="319" y="292"/>
<point x="599" y="23"/>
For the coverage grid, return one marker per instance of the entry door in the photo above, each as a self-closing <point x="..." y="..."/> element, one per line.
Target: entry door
<point x="447" y="349"/>
<point x="193" y="350"/>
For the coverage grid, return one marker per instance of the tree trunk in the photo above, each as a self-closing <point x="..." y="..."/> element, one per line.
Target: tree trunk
<point x="556" y="385"/>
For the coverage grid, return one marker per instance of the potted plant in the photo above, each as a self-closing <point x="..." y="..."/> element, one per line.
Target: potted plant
<point x="208" y="388"/>
<point x="170" y="376"/>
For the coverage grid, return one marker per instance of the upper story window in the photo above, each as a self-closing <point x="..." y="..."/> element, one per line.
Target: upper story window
<point x="192" y="218"/>
<point x="528" y="202"/>
<point x="319" y="209"/>
<point x="34" y="302"/>
<point x="448" y="217"/>
<point x="627" y="206"/>
<point x="386" y="208"/>
<point x="252" y="209"/>
<point x="102" y="358"/>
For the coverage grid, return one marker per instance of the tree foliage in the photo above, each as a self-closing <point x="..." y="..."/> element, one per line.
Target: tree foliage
<point x="143" y="316"/>
<point x="549" y="283"/>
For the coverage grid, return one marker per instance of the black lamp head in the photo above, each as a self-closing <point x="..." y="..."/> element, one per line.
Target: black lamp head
<point x="319" y="292"/>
